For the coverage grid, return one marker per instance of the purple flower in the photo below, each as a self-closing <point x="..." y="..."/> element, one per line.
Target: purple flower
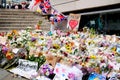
<point x="4" y="49"/>
<point x="51" y="72"/>
<point x="46" y="69"/>
<point x="33" y="39"/>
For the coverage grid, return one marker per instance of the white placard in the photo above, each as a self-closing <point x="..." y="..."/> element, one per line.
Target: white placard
<point x="63" y="71"/>
<point x="42" y="78"/>
<point x="25" y="68"/>
<point x="73" y="22"/>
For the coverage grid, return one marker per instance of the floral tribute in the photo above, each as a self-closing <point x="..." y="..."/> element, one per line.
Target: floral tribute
<point x="99" y="54"/>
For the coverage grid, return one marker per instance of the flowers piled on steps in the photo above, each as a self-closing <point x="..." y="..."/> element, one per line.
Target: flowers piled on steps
<point x="95" y="53"/>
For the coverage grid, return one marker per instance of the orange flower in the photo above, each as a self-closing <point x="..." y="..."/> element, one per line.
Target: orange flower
<point x="15" y="32"/>
<point x="9" y="55"/>
<point x="72" y="43"/>
<point x="37" y="27"/>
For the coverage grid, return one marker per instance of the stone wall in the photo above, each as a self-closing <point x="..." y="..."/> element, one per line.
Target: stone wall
<point x="70" y="5"/>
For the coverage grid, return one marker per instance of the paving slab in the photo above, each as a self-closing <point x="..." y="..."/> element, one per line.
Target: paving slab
<point x="5" y="75"/>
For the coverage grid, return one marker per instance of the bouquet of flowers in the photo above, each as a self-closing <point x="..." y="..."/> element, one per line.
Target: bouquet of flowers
<point x="7" y="57"/>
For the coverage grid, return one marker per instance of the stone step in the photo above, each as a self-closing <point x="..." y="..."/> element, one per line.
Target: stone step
<point x="11" y="28"/>
<point x="19" y="16"/>
<point x="12" y="16"/>
<point x="6" y="22"/>
<point x="21" y="28"/>
<point x="21" y="22"/>
<point x="17" y="10"/>
<point x="15" y="13"/>
<point x="45" y="28"/>
<point x="18" y="22"/>
<point x="19" y="19"/>
<point x="22" y="25"/>
<point x="17" y="25"/>
<point x="16" y="16"/>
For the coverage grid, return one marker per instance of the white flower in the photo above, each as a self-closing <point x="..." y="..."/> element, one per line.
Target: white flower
<point x="103" y="65"/>
<point x="19" y="39"/>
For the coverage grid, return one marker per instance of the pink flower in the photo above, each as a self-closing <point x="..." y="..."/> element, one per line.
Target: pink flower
<point x="110" y="66"/>
<point x="71" y="76"/>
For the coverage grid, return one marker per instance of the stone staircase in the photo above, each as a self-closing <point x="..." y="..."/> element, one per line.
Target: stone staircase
<point x="16" y="19"/>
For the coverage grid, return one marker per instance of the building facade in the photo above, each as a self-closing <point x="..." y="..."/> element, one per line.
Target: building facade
<point x="73" y="5"/>
<point x="103" y="15"/>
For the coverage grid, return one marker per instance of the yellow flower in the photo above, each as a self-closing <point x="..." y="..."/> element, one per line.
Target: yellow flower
<point x="56" y="46"/>
<point x="93" y="57"/>
<point x="15" y="32"/>
<point x="38" y="10"/>
<point x="68" y="46"/>
<point x="114" y="49"/>
<point x="83" y="64"/>
<point x="69" y="51"/>
<point x="42" y="38"/>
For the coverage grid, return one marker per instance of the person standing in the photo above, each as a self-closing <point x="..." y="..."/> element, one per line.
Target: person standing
<point x="23" y="5"/>
<point x="100" y="23"/>
<point x="3" y="3"/>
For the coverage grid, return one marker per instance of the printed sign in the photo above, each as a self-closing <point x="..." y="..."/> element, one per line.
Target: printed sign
<point x="73" y="22"/>
<point x="118" y="49"/>
<point x="64" y="72"/>
<point x="25" y="68"/>
<point x="61" y="70"/>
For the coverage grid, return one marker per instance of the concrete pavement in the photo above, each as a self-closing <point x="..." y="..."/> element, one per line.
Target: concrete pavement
<point x="5" y="75"/>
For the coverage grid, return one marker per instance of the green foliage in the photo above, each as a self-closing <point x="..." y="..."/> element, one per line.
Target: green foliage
<point x="92" y="31"/>
<point x="40" y="59"/>
<point x="39" y="23"/>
